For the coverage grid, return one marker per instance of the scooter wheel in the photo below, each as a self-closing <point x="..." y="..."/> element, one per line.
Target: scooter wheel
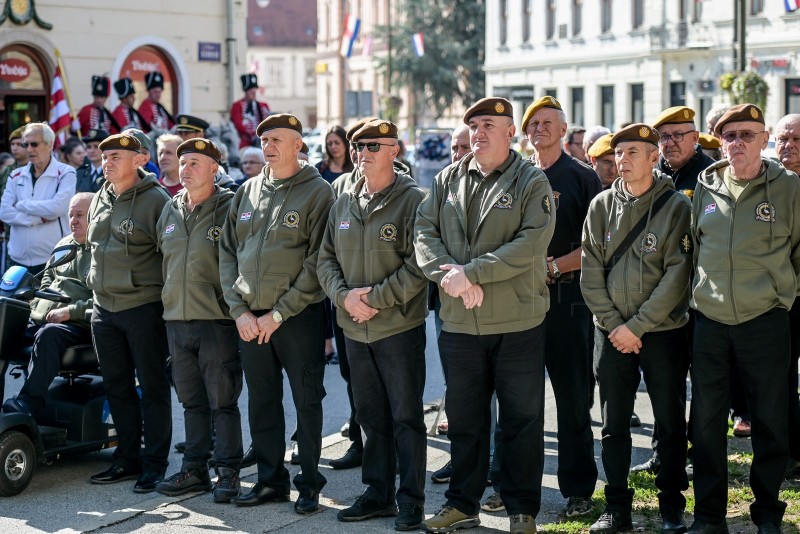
<point x="17" y="462"/>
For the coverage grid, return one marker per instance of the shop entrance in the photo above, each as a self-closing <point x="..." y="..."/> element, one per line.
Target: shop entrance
<point x="24" y="89"/>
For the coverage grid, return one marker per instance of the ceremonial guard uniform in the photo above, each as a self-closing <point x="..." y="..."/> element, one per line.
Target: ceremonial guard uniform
<point x="96" y="116"/>
<point x="247" y="113"/>
<point x="124" y="114"/>
<point x="153" y="113"/>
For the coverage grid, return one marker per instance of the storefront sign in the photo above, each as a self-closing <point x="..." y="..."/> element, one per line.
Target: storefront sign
<point x="142" y="61"/>
<point x="209" y="52"/>
<point x="14" y="70"/>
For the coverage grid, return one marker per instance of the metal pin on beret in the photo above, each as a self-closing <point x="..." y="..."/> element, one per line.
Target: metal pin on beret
<point x="94" y="135"/>
<point x="376" y="129"/>
<point x="121" y="142"/>
<point x="16" y="134"/>
<point x="544" y="102"/>
<point x="635" y="132"/>
<point x="709" y="142"/>
<point x="280" y="120"/>
<point x="200" y="146"/>
<point x="740" y="113"/>
<point x="356" y="126"/>
<point x="601" y="147"/>
<point x="674" y="115"/>
<point x="494" y="106"/>
<point x="188" y="123"/>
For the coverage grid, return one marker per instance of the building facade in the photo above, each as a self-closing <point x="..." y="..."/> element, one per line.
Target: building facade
<point x="614" y="61"/>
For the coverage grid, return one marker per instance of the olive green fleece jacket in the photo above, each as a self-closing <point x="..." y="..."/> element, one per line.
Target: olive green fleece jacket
<point x="270" y="242"/>
<point x="648" y="289"/>
<point x="506" y="255"/>
<point x="377" y="251"/>
<point x="126" y="264"/>
<point x="192" y="290"/>
<point x="747" y="258"/>
<point x="69" y="279"/>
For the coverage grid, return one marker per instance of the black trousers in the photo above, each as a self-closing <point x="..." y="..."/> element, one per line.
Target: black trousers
<point x="512" y="365"/>
<point x="297" y="347"/>
<point x="760" y="348"/>
<point x="794" y="399"/>
<point x="664" y="361"/>
<point x="344" y="370"/>
<point x="132" y="344"/>
<point x="388" y="379"/>
<point x="569" y="366"/>
<point x="207" y="372"/>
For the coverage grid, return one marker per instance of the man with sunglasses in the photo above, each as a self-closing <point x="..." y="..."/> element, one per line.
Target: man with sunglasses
<point x="682" y="158"/>
<point x="747" y="259"/>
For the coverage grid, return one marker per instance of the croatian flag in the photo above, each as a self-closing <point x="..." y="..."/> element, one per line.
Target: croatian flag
<point x="349" y="36"/>
<point x="60" y="120"/>
<point x="419" y="44"/>
<point x="791" y="5"/>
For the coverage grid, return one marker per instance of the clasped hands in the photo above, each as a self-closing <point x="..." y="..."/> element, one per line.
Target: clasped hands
<point x="251" y="327"/>
<point x="456" y="284"/>
<point x="624" y="340"/>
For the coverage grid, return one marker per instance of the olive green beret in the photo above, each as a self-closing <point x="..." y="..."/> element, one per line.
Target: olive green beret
<point x="740" y="113"/>
<point x="188" y="123"/>
<point x="709" y="142"/>
<point x="280" y="120"/>
<point x="121" y="142"/>
<point x="635" y="132"/>
<point x="375" y="129"/>
<point x="141" y="136"/>
<point x="544" y="102"/>
<point x="200" y="146"/>
<point x="674" y="115"/>
<point x="16" y="134"/>
<point x="601" y="147"/>
<point x="356" y="126"/>
<point x="495" y="106"/>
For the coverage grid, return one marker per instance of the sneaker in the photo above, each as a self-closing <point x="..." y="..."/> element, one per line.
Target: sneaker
<point x="185" y="482"/>
<point x="227" y="486"/>
<point x="522" y="524"/>
<point x="578" y="506"/>
<point x="741" y="427"/>
<point x="650" y="466"/>
<point x="410" y="517"/>
<point x="366" y="508"/>
<point x="351" y="459"/>
<point x="493" y="504"/>
<point x="449" y="519"/>
<point x="442" y="476"/>
<point x="612" y="522"/>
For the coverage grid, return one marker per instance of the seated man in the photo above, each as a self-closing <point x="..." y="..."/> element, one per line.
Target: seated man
<point x="56" y="326"/>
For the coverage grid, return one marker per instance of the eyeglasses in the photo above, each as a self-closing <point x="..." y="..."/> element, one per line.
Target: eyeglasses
<point x="372" y="147"/>
<point x="34" y="144"/>
<point x="745" y="135"/>
<point x="676" y="137"/>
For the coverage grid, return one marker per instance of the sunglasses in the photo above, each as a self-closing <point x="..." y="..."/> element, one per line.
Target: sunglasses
<point x="677" y="137"/>
<point x="34" y="144"/>
<point x="745" y="135"/>
<point x="372" y="147"/>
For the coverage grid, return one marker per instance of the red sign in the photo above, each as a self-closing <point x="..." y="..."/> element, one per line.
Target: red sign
<point x="14" y="70"/>
<point x="142" y="61"/>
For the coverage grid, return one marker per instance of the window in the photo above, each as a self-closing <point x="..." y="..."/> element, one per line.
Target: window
<point x="503" y="22"/>
<point x="275" y="70"/>
<point x="792" y="95"/>
<point x="637" y="102"/>
<point x="697" y="11"/>
<point x="756" y="7"/>
<point x="607" y="106"/>
<point x="577" y="106"/>
<point x="526" y="20"/>
<point x="550" y="18"/>
<point x="577" y="20"/>
<point x="677" y="93"/>
<point x="637" y="13"/>
<point x="551" y="92"/>
<point x="605" y="16"/>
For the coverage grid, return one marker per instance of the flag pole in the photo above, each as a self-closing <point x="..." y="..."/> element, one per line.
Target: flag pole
<point x="66" y="89"/>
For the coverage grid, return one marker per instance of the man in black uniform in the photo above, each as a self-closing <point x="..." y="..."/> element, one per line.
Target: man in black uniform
<point x="190" y="127"/>
<point x="567" y="356"/>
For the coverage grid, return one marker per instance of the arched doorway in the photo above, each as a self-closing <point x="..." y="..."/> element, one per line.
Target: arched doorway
<point x="24" y="89"/>
<point x="146" y="59"/>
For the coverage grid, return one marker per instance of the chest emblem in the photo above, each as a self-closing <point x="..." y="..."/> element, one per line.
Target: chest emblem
<point x="649" y="242"/>
<point x="388" y="232"/>
<point x="556" y="196"/>
<point x="213" y="233"/>
<point x="291" y="219"/>
<point x="765" y="212"/>
<point x="711" y="208"/>
<point x="169" y="229"/>
<point x="344" y="225"/>
<point x="126" y="227"/>
<point x="504" y="202"/>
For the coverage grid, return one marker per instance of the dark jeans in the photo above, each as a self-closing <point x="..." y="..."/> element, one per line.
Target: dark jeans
<point x="132" y="344"/>
<point x="760" y="347"/>
<point x="569" y="366"/>
<point x="207" y="371"/>
<point x="388" y="378"/>
<point x="344" y="370"/>
<point x="664" y="361"/>
<point x="512" y="365"/>
<point x="794" y="400"/>
<point x="297" y="347"/>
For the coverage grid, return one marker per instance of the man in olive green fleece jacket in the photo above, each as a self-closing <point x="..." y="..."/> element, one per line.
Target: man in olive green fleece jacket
<point x="268" y="270"/>
<point x="482" y="235"/>
<point x="127" y="323"/>
<point x="746" y="227"/>
<point x="368" y="268"/>
<point x="639" y="297"/>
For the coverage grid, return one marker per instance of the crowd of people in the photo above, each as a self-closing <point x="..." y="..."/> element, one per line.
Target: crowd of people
<point x="654" y="251"/>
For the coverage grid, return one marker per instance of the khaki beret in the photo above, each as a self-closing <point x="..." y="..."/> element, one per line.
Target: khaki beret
<point x="121" y="142"/>
<point x="187" y="123"/>
<point x="709" y="142"/>
<point x="544" y="102"/>
<point x="601" y="147"/>
<point x="94" y="135"/>
<point x="375" y="129"/>
<point x="200" y="146"/>
<point x="356" y="126"/>
<point x="495" y="106"/>
<point x="674" y="115"/>
<point x="635" y="132"/>
<point x="280" y="120"/>
<point x="141" y="136"/>
<point x="740" y="113"/>
<point x="16" y="134"/>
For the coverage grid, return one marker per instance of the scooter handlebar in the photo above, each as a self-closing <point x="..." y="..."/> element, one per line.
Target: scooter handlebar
<point x="49" y="294"/>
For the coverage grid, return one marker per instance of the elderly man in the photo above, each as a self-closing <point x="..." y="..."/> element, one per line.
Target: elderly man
<point x="459" y="143"/>
<point x="90" y="175"/>
<point x="639" y="225"/>
<point x="127" y="323"/>
<point x="747" y="260"/>
<point x="573" y="143"/>
<point x="567" y="355"/>
<point x="682" y="158"/>
<point x="152" y="111"/>
<point x="202" y="337"/>
<point x="36" y="199"/>
<point x="268" y="263"/>
<point x="247" y="113"/>
<point x="604" y="163"/>
<point x="381" y="306"/>
<point x="482" y="235"/>
<point x="713" y="116"/>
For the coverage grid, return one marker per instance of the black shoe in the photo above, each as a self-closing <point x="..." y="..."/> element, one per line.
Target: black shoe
<point x="185" y="482"/>
<point x="180" y="447"/>
<point x="769" y="528"/>
<point x="16" y="406"/>
<point x="442" y="476"/>
<point x="650" y="466"/>
<point x="148" y="482"/>
<point x="366" y="508"/>
<point x="410" y="517"/>
<point x="261" y="494"/>
<point x="701" y="527"/>
<point x="307" y="502"/>
<point x="611" y="522"/>
<point x="249" y="458"/>
<point x="672" y="522"/>
<point x="115" y="474"/>
<point x="635" y="421"/>
<point x="352" y="458"/>
<point x="227" y="486"/>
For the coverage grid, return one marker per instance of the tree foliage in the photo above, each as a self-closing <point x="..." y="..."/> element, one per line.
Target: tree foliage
<point x="451" y="70"/>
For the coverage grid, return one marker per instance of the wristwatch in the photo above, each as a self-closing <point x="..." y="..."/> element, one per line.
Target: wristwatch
<point x="277" y="317"/>
<point x="554" y="267"/>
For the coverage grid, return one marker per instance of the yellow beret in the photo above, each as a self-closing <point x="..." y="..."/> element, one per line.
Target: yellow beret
<point x="709" y="142"/>
<point x="674" y="115"/>
<point x="200" y="146"/>
<point x="495" y="106"/>
<point x="740" y="113"/>
<point x="635" y="132"/>
<point x="121" y="142"/>
<point x="544" y="102"/>
<point x="601" y="147"/>
<point x="375" y="129"/>
<point x="280" y="120"/>
<point x="16" y="134"/>
<point x="356" y="126"/>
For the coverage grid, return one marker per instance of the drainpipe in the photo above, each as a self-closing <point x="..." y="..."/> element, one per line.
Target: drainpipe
<point x="230" y="45"/>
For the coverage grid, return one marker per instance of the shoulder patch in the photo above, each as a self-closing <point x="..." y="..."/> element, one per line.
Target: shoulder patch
<point x="546" y="204"/>
<point x="686" y="244"/>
